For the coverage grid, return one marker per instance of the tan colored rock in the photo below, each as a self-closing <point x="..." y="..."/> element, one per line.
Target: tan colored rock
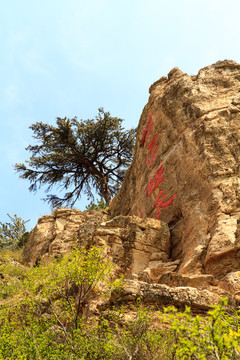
<point x="223" y="253"/>
<point x="175" y="279"/>
<point x="157" y="268"/>
<point x="60" y="232"/>
<point x="133" y="241"/>
<point x="128" y="240"/>
<point x="192" y="125"/>
<point x="188" y="145"/>
<point x="162" y="256"/>
<point x="161" y="294"/>
<point x="231" y="283"/>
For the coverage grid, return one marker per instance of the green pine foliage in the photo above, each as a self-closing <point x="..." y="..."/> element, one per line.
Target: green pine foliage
<point x="44" y="315"/>
<point x="78" y="156"/>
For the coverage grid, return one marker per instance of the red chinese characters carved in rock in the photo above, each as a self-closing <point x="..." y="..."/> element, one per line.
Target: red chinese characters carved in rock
<point x="158" y="176"/>
<point x="159" y="203"/>
<point x="155" y="181"/>
<point x="152" y="152"/>
<point x="148" y="128"/>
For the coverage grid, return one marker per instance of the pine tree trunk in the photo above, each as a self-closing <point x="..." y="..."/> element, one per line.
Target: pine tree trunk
<point x="105" y="191"/>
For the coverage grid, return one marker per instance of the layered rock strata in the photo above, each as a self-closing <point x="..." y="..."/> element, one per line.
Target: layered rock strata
<point x="60" y="232"/>
<point x="162" y="295"/>
<point x="139" y="249"/>
<point x="133" y="242"/>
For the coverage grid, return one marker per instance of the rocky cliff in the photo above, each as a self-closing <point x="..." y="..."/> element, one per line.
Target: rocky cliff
<point x="139" y="250"/>
<point x="174" y="229"/>
<point x="186" y="168"/>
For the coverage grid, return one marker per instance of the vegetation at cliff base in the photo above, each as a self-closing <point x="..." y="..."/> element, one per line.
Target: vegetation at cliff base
<point x="13" y="234"/>
<point x="60" y="309"/>
<point x="100" y="205"/>
<point x="77" y="156"/>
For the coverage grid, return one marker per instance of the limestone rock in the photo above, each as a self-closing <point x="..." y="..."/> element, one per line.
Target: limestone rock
<point x="160" y="294"/>
<point x="202" y="281"/>
<point x="184" y="178"/>
<point x="60" y="232"/>
<point x="133" y="241"/>
<point x="128" y="240"/>
<point x="157" y="268"/>
<point x="189" y="132"/>
<point x="231" y="283"/>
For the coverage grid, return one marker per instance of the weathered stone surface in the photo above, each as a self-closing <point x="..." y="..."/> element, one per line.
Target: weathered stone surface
<point x="223" y="253"/>
<point x="132" y="241"/>
<point x="156" y="269"/>
<point x="192" y="125"/>
<point x="188" y="143"/>
<point x="231" y="283"/>
<point x="197" y="281"/>
<point x="161" y="294"/>
<point x="60" y="232"/>
<point x="129" y="240"/>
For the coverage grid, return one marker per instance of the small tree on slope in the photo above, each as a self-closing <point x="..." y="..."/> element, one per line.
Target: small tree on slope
<point x="13" y="234"/>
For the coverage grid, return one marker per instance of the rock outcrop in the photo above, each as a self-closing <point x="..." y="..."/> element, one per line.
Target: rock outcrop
<point x="60" y="232"/>
<point x="139" y="249"/>
<point x="188" y="143"/>
<point x="161" y="294"/>
<point x="185" y="172"/>
<point x="131" y="242"/>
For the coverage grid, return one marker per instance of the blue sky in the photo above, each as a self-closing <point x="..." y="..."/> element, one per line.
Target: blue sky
<point x="70" y="57"/>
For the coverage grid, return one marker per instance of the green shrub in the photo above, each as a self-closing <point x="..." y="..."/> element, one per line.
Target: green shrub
<point x="101" y="205"/>
<point x="216" y="336"/>
<point x="13" y="234"/>
<point x="50" y="308"/>
<point x="44" y="315"/>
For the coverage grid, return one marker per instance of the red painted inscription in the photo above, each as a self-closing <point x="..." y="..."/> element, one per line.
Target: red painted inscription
<point x="152" y="152"/>
<point x="159" y="203"/>
<point x="148" y="128"/>
<point x="155" y="181"/>
<point x="158" y="176"/>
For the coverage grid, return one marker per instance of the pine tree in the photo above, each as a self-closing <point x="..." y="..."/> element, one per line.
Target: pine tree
<point x="78" y="156"/>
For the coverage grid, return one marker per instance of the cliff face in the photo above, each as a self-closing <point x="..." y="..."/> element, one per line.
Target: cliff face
<point x="188" y="143"/>
<point x="185" y="173"/>
<point x="138" y="248"/>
